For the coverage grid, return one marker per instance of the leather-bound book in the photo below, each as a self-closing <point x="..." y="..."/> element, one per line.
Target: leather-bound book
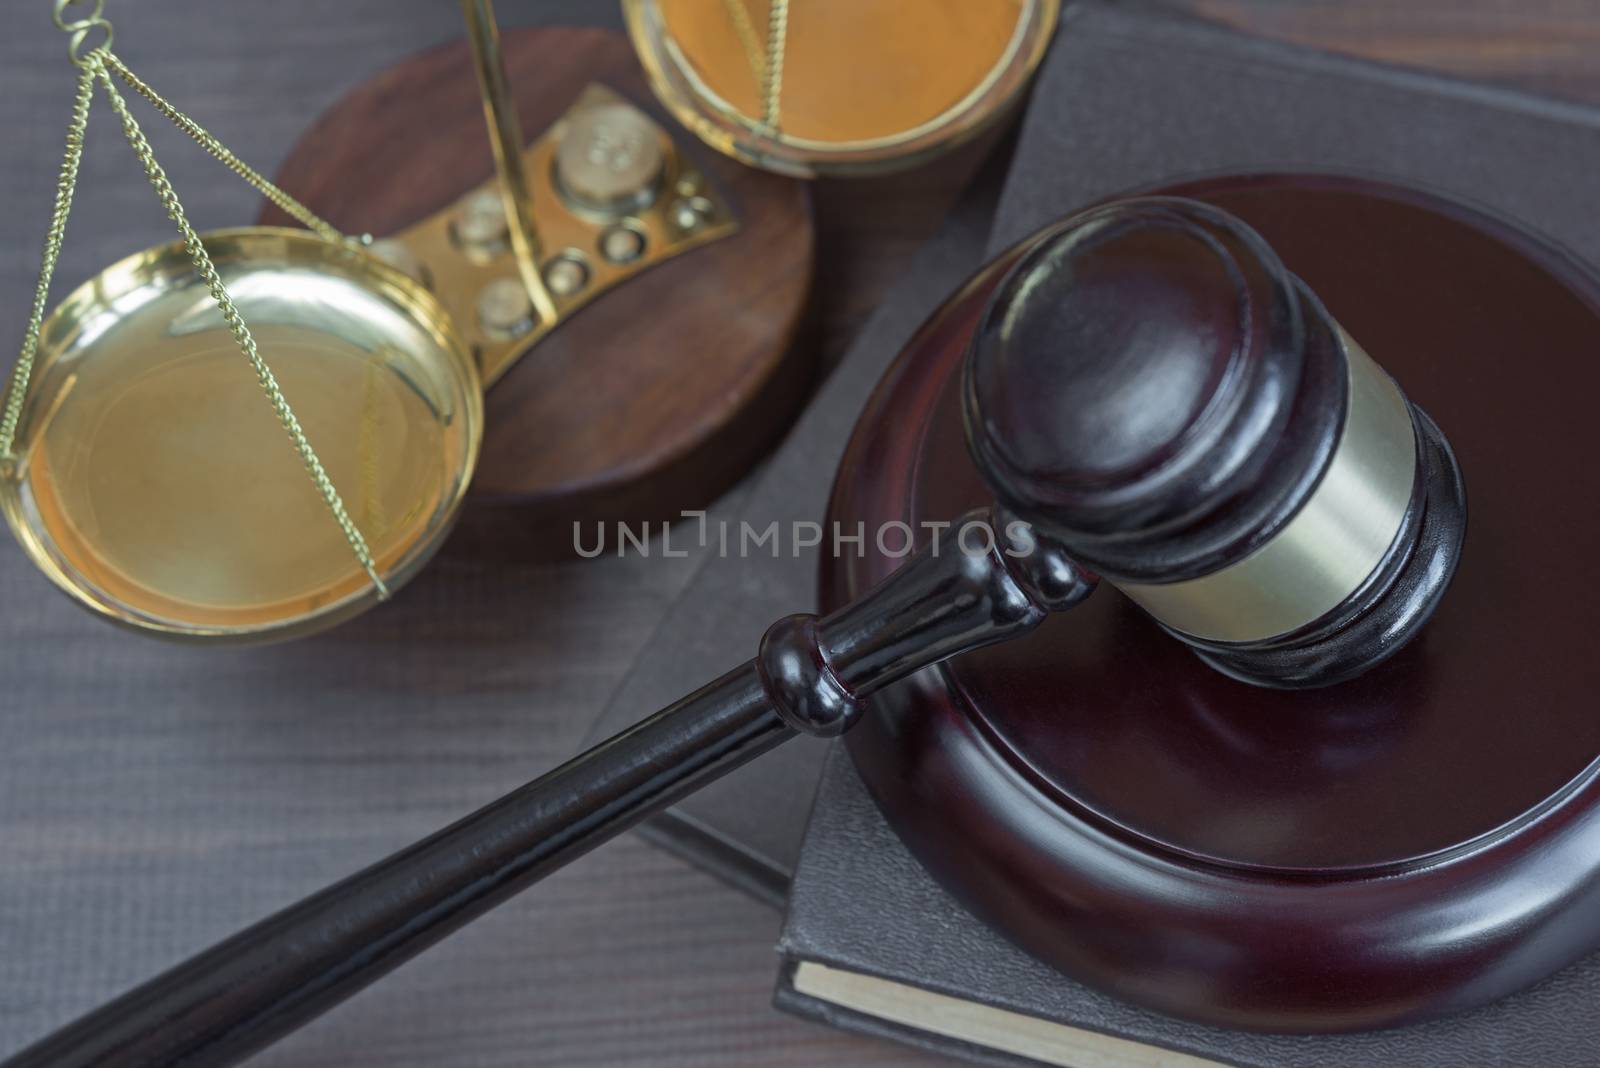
<point x="873" y="944"/>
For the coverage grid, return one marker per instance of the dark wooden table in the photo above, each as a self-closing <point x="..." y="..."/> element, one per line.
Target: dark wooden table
<point x="128" y="841"/>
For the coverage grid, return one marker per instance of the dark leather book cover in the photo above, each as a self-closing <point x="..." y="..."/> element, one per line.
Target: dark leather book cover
<point x="1131" y="96"/>
<point x="861" y="906"/>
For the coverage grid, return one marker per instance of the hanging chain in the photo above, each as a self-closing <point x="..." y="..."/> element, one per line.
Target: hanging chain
<point x="81" y="28"/>
<point x="17" y="388"/>
<point x="765" y="63"/>
<point x="241" y="333"/>
<point x="96" y="64"/>
<point x="290" y="206"/>
<point x="772" y="84"/>
<point x="754" y="51"/>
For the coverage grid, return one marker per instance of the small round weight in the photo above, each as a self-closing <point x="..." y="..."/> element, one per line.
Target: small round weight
<point x="480" y="221"/>
<point x="622" y="244"/>
<point x="505" y="309"/>
<point x="566" y="274"/>
<point x="689" y="212"/>
<point x="610" y="160"/>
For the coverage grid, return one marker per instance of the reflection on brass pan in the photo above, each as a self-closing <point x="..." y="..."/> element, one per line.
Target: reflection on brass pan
<point x="156" y="485"/>
<point x="838" y="87"/>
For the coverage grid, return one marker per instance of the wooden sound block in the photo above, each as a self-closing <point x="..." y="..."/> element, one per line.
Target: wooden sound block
<point x="653" y="398"/>
<point x="1415" y="842"/>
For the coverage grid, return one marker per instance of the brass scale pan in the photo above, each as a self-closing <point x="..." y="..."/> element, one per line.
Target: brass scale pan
<point x="157" y="487"/>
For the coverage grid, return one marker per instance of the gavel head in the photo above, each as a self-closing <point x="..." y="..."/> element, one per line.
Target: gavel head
<point x="1153" y="391"/>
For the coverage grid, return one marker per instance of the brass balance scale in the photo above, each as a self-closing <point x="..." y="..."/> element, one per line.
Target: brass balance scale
<point x="156" y="418"/>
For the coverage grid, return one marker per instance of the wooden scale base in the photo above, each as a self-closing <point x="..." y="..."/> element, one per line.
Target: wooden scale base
<point x="1415" y="842"/>
<point x="653" y="398"/>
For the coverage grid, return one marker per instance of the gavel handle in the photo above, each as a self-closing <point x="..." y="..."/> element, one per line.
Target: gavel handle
<point x="248" y="991"/>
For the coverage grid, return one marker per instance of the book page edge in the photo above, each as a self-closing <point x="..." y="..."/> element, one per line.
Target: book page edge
<point x="1050" y="1043"/>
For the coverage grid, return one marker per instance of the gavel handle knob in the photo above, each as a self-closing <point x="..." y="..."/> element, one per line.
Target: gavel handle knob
<point x="810" y="676"/>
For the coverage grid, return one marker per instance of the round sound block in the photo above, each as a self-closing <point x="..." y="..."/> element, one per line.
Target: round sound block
<point x="1414" y="842"/>
<point x="658" y="394"/>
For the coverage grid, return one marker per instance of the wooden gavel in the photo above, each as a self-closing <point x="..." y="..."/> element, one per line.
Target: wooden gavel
<point x="1151" y="397"/>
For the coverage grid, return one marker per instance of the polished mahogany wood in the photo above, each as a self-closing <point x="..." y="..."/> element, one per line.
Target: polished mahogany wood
<point x="1416" y="841"/>
<point x="652" y="399"/>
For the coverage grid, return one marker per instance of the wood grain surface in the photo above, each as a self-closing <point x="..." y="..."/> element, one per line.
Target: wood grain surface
<point x="153" y="799"/>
